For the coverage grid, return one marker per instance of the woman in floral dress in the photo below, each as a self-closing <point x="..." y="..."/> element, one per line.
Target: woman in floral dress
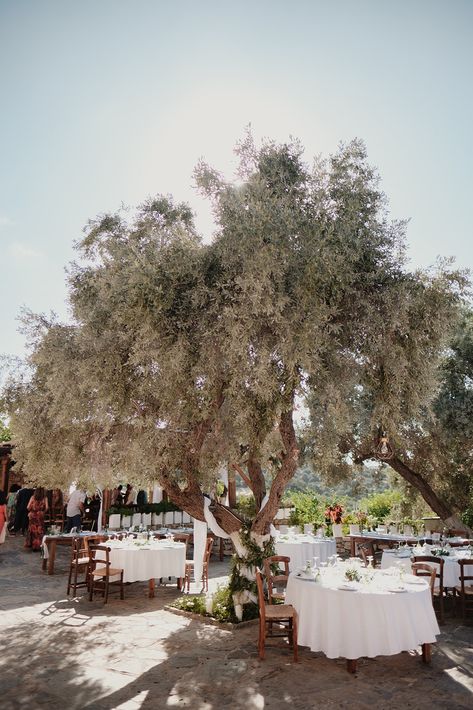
<point x="37" y="507"/>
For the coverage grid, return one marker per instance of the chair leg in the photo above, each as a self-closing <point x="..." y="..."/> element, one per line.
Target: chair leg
<point x="74" y="586"/>
<point x="294" y="638"/>
<point x="106" y="589"/>
<point x="91" y="587"/>
<point x="261" y="639"/>
<point x="69" y="580"/>
<point x="122" y="594"/>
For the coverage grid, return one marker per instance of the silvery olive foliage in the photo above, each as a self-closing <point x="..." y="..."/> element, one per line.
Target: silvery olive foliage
<point x="180" y="354"/>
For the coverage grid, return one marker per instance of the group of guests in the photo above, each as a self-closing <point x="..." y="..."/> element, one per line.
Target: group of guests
<point x="25" y="509"/>
<point x="127" y="496"/>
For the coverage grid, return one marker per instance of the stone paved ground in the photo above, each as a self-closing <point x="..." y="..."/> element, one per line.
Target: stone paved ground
<point x="68" y="654"/>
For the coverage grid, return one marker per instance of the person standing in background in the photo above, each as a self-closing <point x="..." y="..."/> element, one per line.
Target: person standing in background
<point x="117" y="496"/>
<point x="74" y="510"/>
<point x="11" y="504"/>
<point x="37" y="507"/>
<point x="21" y="513"/>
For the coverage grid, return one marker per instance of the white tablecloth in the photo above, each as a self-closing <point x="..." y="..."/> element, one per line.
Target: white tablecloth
<point x="451" y="568"/>
<point x="370" y="621"/>
<point x="142" y="563"/>
<point x="303" y="548"/>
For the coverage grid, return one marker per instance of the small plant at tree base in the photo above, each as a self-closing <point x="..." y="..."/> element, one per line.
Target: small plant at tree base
<point x="194" y="603"/>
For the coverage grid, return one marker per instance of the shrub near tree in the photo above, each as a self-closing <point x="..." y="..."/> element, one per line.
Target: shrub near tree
<point x="181" y="355"/>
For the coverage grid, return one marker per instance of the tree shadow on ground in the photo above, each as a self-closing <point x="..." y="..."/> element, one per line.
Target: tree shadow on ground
<point x="151" y="663"/>
<point x="134" y="654"/>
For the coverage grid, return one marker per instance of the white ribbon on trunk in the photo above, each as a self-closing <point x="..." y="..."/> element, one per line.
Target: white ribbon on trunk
<point x="200" y="537"/>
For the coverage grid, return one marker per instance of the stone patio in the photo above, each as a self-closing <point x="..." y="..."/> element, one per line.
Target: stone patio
<point x="69" y="653"/>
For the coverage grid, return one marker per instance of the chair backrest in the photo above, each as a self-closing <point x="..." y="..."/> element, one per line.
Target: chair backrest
<point x="79" y="549"/>
<point x="436" y="562"/>
<point x="278" y="578"/>
<point x="466" y="573"/>
<point x="99" y="554"/>
<point x="261" y="599"/>
<point x="458" y="533"/>
<point x="367" y="550"/>
<point x="422" y="569"/>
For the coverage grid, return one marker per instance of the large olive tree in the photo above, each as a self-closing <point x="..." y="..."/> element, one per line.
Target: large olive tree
<point x="180" y="355"/>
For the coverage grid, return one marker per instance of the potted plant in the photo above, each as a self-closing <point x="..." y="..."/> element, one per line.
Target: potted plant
<point x="362" y="519"/>
<point x="334" y="515"/>
<point x="352" y="522"/>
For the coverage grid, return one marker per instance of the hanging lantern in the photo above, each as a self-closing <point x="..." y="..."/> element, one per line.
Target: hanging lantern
<point x="383" y="449"/>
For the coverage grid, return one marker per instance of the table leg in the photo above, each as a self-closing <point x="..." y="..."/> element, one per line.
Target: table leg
<point x="351" y="665"/>
<point x="426" y="652"/>
<point x="151" y="589"/>
<point x="352" y="543"/>
<point x="52" y="556"/>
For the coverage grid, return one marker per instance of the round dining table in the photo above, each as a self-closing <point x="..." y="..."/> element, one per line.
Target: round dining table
<point x="148" y="560"/>
<point x="303" y="548"/>
<point x="378" y="616"/>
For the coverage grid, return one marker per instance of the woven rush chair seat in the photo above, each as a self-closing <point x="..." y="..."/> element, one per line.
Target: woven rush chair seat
<point x="275" y="620"/>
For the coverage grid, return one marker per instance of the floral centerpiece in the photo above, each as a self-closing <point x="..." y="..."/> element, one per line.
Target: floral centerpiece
<point x="352" y="575"/>
<point x="334" y="514"/>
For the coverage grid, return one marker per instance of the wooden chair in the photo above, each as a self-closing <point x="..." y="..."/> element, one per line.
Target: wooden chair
<point x="366" y="550"/>
<point x="439" y="591"/>
<point x="101" y="572"/>
<point x="276" y="581"/>
<point x="458" y="533"/>
<point x="284" y="616"/>
<point x="189" y="569"/>
<point x="79" y="563"/>
<point x="422" y="569"/>
<point x="465" y="589"/>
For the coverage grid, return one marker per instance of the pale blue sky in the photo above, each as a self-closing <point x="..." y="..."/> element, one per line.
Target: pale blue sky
<point x="110" y="101"/>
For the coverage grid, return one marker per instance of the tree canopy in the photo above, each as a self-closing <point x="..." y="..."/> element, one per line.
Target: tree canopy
<point x="180" y="354"/>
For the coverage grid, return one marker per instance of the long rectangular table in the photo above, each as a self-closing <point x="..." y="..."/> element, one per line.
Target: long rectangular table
<point x="384" y="538"/>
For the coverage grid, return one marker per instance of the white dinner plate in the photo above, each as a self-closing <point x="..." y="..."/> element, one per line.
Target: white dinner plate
<point x="347" y="588"/>
<point x="397" y="589"/>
